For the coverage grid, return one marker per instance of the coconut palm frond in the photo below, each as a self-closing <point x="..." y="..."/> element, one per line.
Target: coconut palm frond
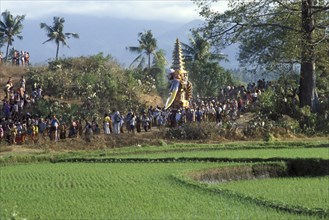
<point x="48" y="28"/>
<point x="50" y="39"/>
<point x="147" y="46"/>
<point x="74" y="35"/>
<point x="141" y="63"/>
<point x="134" y="49"/>
<point x="137" y="59"/>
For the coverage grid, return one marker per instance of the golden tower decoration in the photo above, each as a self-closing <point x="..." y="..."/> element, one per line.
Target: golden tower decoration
<point x="180" y="91"/>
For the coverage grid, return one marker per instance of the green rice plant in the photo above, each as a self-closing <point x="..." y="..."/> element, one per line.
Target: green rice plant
<point x="120" y="191"/>
<point x="321" y="211"/>
<point x="11" y="214"/>
<point x="252" y="153"/>
<point x="248" y="151"/>
<point x="142" y="183"/>
<point x="178" y="147"/>
<point x="262" y="184"/>
<point x="307" y="193"/>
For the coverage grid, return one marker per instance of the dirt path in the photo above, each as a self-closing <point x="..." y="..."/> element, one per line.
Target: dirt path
<point x="152" y="137"/>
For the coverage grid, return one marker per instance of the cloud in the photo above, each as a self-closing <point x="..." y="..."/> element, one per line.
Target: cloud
<point x="168" y="10"/>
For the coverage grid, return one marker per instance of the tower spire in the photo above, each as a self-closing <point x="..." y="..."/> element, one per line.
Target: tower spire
<point x="178" y="60"/>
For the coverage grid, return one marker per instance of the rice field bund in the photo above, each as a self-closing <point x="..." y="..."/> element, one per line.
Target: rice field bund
<point x="283" y="180"/>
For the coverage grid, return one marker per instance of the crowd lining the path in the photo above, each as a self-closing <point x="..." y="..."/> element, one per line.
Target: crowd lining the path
<point x="18" y="126"/>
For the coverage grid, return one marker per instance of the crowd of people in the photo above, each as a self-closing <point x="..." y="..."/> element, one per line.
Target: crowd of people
<point x="21" y="58"/>
<point x="18" y="126"/>
<point x="18" y="58"/>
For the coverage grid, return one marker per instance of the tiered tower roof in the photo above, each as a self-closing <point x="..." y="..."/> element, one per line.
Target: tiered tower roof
<point x="178" y="60"/>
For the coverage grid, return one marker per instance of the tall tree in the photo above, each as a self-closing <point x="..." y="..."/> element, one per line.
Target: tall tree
<point x="273" y="32"/>
<point x="147" y="47"/>
<point x="56" y="33"/>
<point x="208" y="78"/>
<point x="199" y="49"/>
<point x="158" y="71"/>
<point x="203" y="66"/>
<point x="10" y="27"/>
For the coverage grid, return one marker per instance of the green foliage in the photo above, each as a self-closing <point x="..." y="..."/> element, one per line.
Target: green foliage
<point x="322" y="82"/>
<point x="268" y="137"/>
<point x="199" y="49"/>
<point x="307" y="120"/>
<point x="205" y="73"/>
<point x="11" y="214"/>
<point x="153" y="73"/>
<point x="146" y="48"/>
<point x="280" y="99"/>
<point x="242" y="172"/>
<point x="97" y="84"/>
<point x="281" y="104"/>
<point x="246" y="152"/>
<point x="269" y="191"/>
<point x="271" y="35"/>
<point x="267" y="102"/>
<point x="158" y="73"/>
<point x="287" y="193"/>
<point x="190" y="131"/>
<point x="322" y="123"/>
<point x="208" y="78"/>
<point x="243" y="154"/>
<point x="111" y="181"/>
<point x="65" y="111"/>
<point x="289" y="124"/>
<point x="183" y="152"/>
<point x="115" y="191"/>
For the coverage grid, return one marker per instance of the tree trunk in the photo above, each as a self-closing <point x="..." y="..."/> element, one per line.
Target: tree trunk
<point x="307" y="71"/>
<point x="7" y="52"/>
<point x="149" y="61"/>
<point x="57" y="49"/>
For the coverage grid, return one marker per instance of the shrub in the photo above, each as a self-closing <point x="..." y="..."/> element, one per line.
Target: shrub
<point x="322" y="123"/>
<point x="282" y="100"/>
<point x="244" y="172"/>
<point x="269" y="170"/>
<point x="96" y="84"/>
<point x="191" y="131"/>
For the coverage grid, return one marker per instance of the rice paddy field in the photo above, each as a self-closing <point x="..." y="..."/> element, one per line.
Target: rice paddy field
<point x="307" y="192"/>
<point x="245" y="153"/>
<point x="56" y="187"/>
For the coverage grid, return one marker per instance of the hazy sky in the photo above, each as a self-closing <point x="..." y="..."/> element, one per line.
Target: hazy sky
<point x="168" y="10"/>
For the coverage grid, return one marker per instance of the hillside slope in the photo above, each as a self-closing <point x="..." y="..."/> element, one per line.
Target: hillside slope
<point x="16" y="72"/>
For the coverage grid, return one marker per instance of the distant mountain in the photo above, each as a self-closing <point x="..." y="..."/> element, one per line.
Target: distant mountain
<point x="110" y="36"/>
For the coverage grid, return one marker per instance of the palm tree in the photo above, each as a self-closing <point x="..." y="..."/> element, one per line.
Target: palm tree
<point x="147" y="46"/>
<point x="55" y="33"/>
<point x="199" y="50"/>
<point x="10" y="27"/>
<point x="203" y="66"/>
